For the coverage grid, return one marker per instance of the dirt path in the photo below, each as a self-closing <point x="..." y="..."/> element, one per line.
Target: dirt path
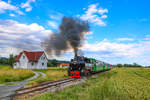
<point x="6" y="90"/>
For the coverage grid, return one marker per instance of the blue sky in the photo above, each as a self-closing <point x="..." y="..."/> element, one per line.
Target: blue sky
<point x="119" y="29"/>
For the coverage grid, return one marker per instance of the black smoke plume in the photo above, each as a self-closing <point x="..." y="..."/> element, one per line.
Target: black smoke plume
<point x="70" y="36"/>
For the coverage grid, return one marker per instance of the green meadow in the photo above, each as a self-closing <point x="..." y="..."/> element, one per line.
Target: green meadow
<point x="52" y="74"/>
<point x="8" y="74"/>
<point x="116" y="84"/>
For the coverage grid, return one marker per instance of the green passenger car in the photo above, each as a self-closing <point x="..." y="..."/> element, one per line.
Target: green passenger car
<point x="83" y="66"/>
<point x="99" y="65"/>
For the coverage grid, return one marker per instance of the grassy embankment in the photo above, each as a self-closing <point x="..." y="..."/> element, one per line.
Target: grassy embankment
<point x="117" y="84"/>
<point x="52" y="73"/>
<point x="8" y="74"/>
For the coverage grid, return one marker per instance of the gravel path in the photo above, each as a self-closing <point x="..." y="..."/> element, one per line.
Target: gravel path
<point x="43" y="74"/>
<point x="6" y="90"/>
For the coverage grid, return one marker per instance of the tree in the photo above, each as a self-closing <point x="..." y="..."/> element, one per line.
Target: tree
<point x="11" y="59"/>
<point x="136" y="65"/>
<point x="49" y="64"/>
<point x="119" y="65"/>
<point x="54" y="62"/>
<point x="126" y="65"/>
<point x="3" y="60"/>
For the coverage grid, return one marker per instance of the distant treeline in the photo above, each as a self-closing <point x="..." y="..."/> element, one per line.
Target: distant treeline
<point x="11" y="60"/>
<point x="130" y="65"/>
<point x="8" y="61"/>
<point x="54" y="62"/>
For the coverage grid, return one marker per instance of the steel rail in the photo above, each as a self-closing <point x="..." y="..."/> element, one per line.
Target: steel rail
<point x="40" y="84"/>
<point x="43" y="87"/>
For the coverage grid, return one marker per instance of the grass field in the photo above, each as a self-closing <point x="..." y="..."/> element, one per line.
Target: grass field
<point x="117" y="84"/>
<point x="50" y="69"/>
<point x="8" y="74"/>
<point x="4" y="66"/>
<point x="52" y="73"/>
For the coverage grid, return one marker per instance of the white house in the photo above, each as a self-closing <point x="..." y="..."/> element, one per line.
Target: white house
<point x="31" y="60"/>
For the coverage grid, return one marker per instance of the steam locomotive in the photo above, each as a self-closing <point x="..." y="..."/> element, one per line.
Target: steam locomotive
<point x="83" y="66"/>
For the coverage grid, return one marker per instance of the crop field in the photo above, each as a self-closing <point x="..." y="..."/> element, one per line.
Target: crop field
<point x="8" y="74"/>
<point x="52" y="73"/>
<point x="117" y="84"/>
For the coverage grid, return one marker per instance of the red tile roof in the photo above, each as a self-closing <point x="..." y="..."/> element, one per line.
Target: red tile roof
<point x="32" y="56"/>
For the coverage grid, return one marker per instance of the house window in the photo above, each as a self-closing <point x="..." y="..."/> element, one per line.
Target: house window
<point x="43" y="57"/>
<point x="42" y="64"/>
<point x="23" y="57"/>
<point x="32" y="63"/>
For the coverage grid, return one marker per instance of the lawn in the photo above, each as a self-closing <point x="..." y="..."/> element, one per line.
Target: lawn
<point x="8" y="74"/>
<point x="117" y="84"/>
<point x="52" y="73"/>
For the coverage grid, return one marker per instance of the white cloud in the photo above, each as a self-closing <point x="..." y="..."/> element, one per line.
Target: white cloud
<point x="56" y="16"/>
<point x="5" y="52"/>
<point x="94" y="14"/>
<point x="104" y="16"/>
<point x="112" y="48"/>
<point x="125" y="39"/>
<point x="11" y="26"/>
<point x="102" y="11"/>
<point x="53" y="24"/>
<point x="147" y="37"/>
<point x="12" y="15"/>
<point x="9" y="36"/>
<point x="119" y="52"/>
<point x="15" y="36"/>
<point x="27" y="5"/>
<point x="33" y="37"/>
<point x="21" y="36"/>
<point x="7" y="6"/>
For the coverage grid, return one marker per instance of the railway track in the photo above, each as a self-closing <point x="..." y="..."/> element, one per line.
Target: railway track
<point x="26" y="93"/>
